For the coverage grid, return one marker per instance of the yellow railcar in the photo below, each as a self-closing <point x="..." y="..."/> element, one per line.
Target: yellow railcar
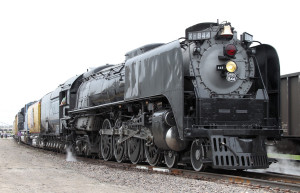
<point x="34" y="118"/>
<point x="15" y="126"/>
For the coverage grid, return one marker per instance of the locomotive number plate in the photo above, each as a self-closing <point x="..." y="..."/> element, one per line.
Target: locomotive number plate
<point x="231" y="77"/>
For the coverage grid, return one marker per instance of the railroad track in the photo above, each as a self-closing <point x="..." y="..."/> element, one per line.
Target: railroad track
<point x="269" y="181"/>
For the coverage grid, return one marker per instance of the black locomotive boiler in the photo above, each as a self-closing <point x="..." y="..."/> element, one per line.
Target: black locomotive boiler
<point x="208" y="99"/>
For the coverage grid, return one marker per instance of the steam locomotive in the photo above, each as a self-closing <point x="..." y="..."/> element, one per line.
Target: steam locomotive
<point x="208" y="99"/>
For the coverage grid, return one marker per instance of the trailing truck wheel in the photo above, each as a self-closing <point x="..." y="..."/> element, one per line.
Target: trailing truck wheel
<point x="86" y="150"/>
<point x="153" y="155"/>
<point x="65" y="148"/>
<point x="171" y="159"/>
<point x="56" y="146"/>
<point x="99" y="149"/>
<point x="61" y="147"/>
<point x="197" y="155"/>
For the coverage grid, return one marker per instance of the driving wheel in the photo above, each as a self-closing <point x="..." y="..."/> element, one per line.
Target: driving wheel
<point x="120" y="150"/>
<point x="106" y="142"/>
<point x="134" y="149"/>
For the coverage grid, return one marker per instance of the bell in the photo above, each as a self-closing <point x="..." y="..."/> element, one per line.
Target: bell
<point x="226" y="32"/>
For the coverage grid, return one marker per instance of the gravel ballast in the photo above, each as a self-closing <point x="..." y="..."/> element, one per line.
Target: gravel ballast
<point x="25" y="169"/>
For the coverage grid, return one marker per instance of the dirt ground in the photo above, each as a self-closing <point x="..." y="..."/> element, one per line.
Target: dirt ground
<point x="29" y="170"/>
<point x="25" y="170"/>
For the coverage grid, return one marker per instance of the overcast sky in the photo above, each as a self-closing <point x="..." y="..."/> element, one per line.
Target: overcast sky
<point x="43" y="43"/>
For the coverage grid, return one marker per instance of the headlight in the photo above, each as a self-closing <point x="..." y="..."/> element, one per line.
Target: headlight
<point x="231" y="66"/>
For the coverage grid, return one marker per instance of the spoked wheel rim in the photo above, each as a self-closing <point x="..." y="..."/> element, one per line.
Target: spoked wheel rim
<point x="197" y="155"/>
<point x="134" y="149"/>
<point x="86" y="150"/>
<point x="65" y="148"/>
<point x="61" y="148"/>
<point x="57" y="145"/>
<point x="120" y="150"/>
<point x="99" y="152"/>
<point x="106" y="146"/>
<point x="153" y="155"/>
<point x="53" y="144"/>
<point x="171" y="159"/>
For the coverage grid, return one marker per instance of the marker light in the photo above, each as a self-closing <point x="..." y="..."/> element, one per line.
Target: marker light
<point x="230" y="50"/>
<point x="231" y="66"/>
<point x="246" y="37"/>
